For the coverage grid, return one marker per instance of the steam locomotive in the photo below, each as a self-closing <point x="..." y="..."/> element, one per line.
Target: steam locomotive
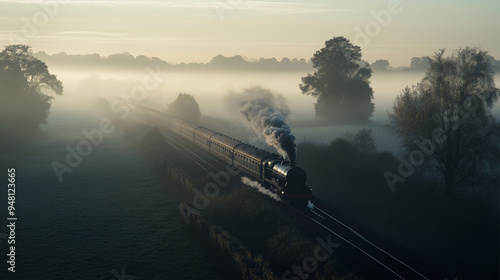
<point x="279" y="176"/>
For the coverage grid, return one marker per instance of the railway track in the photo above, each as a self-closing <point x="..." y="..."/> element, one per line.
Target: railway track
<point x="193" y="155"/>
<point x="394" y="267"/>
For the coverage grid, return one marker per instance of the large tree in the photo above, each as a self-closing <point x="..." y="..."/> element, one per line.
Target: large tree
<point x="446" y="119"/>
<point x="339" y="83"/>
<point x="186" y="107"/>
<point x="25" y="84"/>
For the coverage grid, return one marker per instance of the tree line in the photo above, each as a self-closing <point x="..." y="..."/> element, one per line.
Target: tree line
<point x="449" y="110"/>
<point x="219" y="63"/>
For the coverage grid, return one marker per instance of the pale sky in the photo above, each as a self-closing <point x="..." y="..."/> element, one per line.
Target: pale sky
<point x="195" y="31"/>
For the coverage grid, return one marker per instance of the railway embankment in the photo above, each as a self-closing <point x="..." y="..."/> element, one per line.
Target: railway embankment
<point x="246" y="235"/>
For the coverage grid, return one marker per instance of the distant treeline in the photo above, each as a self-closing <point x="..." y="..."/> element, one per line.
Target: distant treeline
<point x="417" y="64"/>
<point x="218" y="63"/>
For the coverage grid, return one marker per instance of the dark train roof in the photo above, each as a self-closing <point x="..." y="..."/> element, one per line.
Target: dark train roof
<point x="225" y="140"/>
<point x="189" y="125"/>
<point x="204" y="131"/>
<point x="177" y="121"/>
<point x="253" y="152"/>
<point x="241" y="147"/>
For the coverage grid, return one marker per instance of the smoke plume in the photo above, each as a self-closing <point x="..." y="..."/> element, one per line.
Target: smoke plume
<point x="267" y="113"/>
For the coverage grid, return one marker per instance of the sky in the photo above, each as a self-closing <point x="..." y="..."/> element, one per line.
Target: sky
<point x="195" y="31"/>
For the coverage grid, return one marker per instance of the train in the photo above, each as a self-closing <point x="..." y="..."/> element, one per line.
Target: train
<point x="271" y="170"/>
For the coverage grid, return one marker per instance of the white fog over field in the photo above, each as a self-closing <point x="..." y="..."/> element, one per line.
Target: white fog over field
<point x="82" y="89"/>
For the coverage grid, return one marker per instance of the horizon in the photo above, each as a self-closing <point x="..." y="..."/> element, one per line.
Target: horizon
<point x="245" y="58"/>
<point x="196" y="31"/>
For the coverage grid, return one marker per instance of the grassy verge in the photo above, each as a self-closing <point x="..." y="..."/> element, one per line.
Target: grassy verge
<point x="269" y="234"/>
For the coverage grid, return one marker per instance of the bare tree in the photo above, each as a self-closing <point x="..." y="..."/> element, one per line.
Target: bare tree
<point x="447" y="118"/>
